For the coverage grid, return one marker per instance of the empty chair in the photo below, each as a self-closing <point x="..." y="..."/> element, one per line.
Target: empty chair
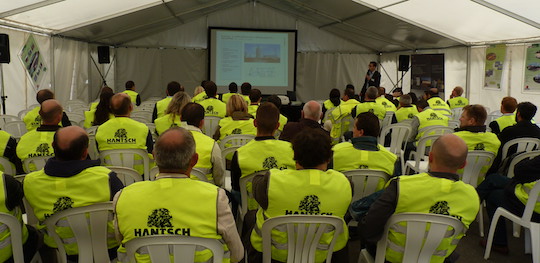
<point x="211" y="123"/>
<point x="137" y="159"/>
<point x="126" y="175"/>
<point x="7" y="118"/>
<point x="90" y="230"/>
<point x="521" y="144"/>
<point x="419" y="163"/>
<point x="424" y="234"/>
<point x="182" y="248"/>
<point x="15" y="128"/>
<point x="304" y="235"/>
<point x="34" y="163"/>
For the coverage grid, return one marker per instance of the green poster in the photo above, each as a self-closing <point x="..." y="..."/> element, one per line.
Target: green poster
<point x="494" y="65"/>
<point x="33" y="61"/>
<point x="532" y="68"/>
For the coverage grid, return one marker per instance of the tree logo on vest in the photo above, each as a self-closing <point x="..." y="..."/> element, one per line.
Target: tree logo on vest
<point x="363" y="166"/>
<point x="270" y="163"/>
<point x="37" y="121"/>
<point x="121" y="137"/>
<point x="61" y="204"/>
<point x="410" y="116"/>
<point x="210" y="110"/>
<point x="433" y="116"/>
<point x="173" y="125"/>
<point x="442" y="208"/>
<point x="159" y="223"/>
<point x="41" y="150"/>
<point x="479" y="147"/>
<point x="237" y="131"/>
<point x="308" y="206"/>
<point x="460" y="102"/>
<point x="438" y="102"/>
<point x="384" y="103"/>
<point x="371" y="110"/>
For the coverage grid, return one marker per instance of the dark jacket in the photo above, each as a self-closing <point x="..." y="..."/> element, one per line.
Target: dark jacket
<point x="292" y="128"/>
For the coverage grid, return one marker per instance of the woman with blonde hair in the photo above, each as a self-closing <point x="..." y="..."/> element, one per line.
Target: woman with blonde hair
<point x="172" y="113"/>
<point x="237" y="120"/>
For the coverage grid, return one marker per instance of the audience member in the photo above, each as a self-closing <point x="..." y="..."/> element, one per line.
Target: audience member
<point x="311" y="114"/>
<point x="94" y="104"/>
<point x="245" y="89"/>
<point x="255" y="99"/>
<point x="342" y="111"/>
<point x="159" y="109"/>
<point x="384" y="101"/>
<point x="199" y="94"/>
<point x="237" y="121"/>
<point x="233" y="89"/>
<point x="456" y="101"/>
<point x="194" y="208"/>
<point x="435" y="102"/>
<point x="406" y="109"/>
<point x="370" y="104"/>
<point x="133" y="95"/>
<point x="172" y="113"/>
<point x="508" y="108"/>
<point x="425" y="118"/>
<point x="472" y="130"/>
<point x="274" y="99"/>
<point x="439" y="191"/>
<point x="210" y="161"/>
<point x="311" y="189"/>
<point x="213" y="106"/>
<point x="71" y="180"/>
<point x="102" y="112"/>
<point x="333" y="101"/>
<point x="32" y="119"/>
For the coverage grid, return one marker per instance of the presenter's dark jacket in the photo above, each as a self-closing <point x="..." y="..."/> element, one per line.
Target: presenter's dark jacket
<point x="375" y="81"/>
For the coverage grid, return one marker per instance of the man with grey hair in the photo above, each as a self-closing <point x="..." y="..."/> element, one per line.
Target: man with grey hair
<point x="370" y="104"/>
<point x="207" y="214"/>
<point x="311" y="115"/>
<point x="406" y="109"/>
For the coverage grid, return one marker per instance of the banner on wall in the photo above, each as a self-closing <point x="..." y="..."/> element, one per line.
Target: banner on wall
<point x="532" y="68"/>
<point x="495" y="55"/>
<point x="33" y="61"/>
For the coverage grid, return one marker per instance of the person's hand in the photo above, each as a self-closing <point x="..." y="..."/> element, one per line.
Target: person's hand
<point x="368" y="77"/>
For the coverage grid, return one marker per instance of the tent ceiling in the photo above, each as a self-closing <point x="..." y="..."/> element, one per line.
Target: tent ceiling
<point x="378" y="25"/>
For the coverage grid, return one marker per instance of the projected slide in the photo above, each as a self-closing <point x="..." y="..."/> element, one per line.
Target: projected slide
<point x="263" y="58"/>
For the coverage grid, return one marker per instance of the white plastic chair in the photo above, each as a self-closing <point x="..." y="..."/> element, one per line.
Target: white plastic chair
<point x="303" y="236"/>
<point x="436" y="130"/>
<point x="126" y="175"/>
<point x="15" y="128"/>
<point x="420" y="162"/>
<point x="4" y="119"/>
<point x="235" y="140"/>
<point x="182" y="247"/>
<point x="35" y="163"/>
<point x="75" y="117"/>
<point x="456" y="113"/>
<point x="365" y="181"/>
<point x="532" y="237"/>
<point x="7" y="166"/>
<point x="423" y="232"/>
<point x="15" y="230"/>
<point x="244" y="194"/>
<point x="211" y="123"/>
<point x="387" y="119"/>
<point x="453" y="124"/>
<point x="476" y="160"/>
<point x="126" y="158"/>
<point x="523" y="145"/>
<point x="399" y="133"/>
<point x="22" y="113"/>
<point x="145" y="116"/>
<point x="89" y="226"/>
<point x="445" y="112"/>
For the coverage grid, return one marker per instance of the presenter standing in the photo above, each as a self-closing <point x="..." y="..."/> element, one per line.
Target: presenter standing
<point x="373" y="78"/>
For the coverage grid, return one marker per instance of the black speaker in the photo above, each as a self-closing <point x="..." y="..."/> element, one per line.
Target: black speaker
<point x="4" y="49"/>
<point x="103" y="55"/>
<point x="403" y="63"/>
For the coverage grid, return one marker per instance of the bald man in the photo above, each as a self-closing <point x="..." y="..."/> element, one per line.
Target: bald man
<point x="71" y="180"/>
<point x="186" y="207"/>
<point x="122" y="132"/>
<point x="38" y="142"/>
<point x="310" y="116"/>
<point x="438" y="191"/>
<point x="32" y="119"/>
<point x="435" y="102"/>
<point x="456" y="101"/>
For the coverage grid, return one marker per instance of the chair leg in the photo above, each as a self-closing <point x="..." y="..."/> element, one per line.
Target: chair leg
<point x="491" y="234"/>
<point x="535" y="242"/>
<point x="516" y="230"/>
<point x="480" y="219"/>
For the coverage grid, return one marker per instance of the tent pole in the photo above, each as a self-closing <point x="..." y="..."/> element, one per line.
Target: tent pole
<point x="3" y="97"/>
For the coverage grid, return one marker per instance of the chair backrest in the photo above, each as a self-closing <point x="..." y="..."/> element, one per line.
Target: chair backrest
<point x="126" y="175"/>
<point x="210" y="125"/>
<point x="456" y="113"/>
<point x="532" y="202"/>
<point x="436" y="130"/>
<point x="303" y="236"/>
<point x="387" y="119"/>
<point x="453" y="124"/>
<point x="33" y="164"/>
<point x="145" y="116"/>
<point x="476" y="160"/>
<point x="423" y="233"/>
<point x="22" y="113"/>
<point x="244" y="193"/>
<point x="399" y="134"/>
<point x="153" y="173"/>
<point x="7" y="166"/>
<point x="182" y="248"/>
<point x="126" y="158"/>
<point x="199" y="174"/>
<point x="235" y="140"/>
<point x="15" y="230"/>
<point x="4" y="119"/>
<point x="15" y="128"/>
<point x="518" y="158"/>
<point x="523" y="145"/>
<point x="76" y="116"/>
<point x="366" y="181"/>
<point x="89" y="226"/>
<point x="445" y="112"/>
<point x="422" y="149"/>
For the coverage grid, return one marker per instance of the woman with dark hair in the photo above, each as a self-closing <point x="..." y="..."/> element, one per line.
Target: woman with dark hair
<point x="94" y="104"/>
<point x="333" y="101"/>
<point x="102" y="112"/>
<point x="414" y="98"/>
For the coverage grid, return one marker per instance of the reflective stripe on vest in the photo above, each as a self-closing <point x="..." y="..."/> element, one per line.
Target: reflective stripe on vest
<point x="85" y="188"/>
<point x="204" y="146"/>
<point x="164" y="215"/>
<point x="422" y="193"/>
<point x="458" y="102"/>
<point x="5" y="236"/>
<point x="165" y="122"/>
<point x="405" y="113"/>
<point x="213" y="107"/>
<point x="304" y="192"/>
<point x="32" y="119"/>
<point x="4" y="139"/>
<point x="262" y="155"/>
<point x="229" y="126"/>
<point x="372" y="107"/>
<point x="505" y="121"/>
<point x="161" y="106"/>
<point x="346" y="157"/>
<point x="430" y="117"/>
<point x="438" y="103"/>
<point x="132" y="95"/>
<point x="387" y="104"/>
